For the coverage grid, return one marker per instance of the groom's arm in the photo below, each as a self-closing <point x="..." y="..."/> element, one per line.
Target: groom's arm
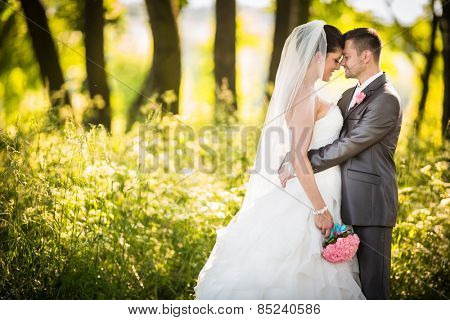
<point x="377" y="121"/>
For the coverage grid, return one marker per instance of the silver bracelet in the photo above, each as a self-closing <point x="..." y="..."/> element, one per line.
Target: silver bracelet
<point x="321" y="211"/>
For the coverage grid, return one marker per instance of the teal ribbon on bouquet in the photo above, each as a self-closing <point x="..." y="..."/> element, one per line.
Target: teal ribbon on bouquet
<point x="337" y="230"/>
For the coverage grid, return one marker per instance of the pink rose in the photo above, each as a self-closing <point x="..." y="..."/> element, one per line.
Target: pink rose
<point x="360" y="97"/>
<point x="342" y="250"/>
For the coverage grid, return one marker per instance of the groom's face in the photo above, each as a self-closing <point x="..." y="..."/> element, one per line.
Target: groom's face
<point x="351" y="61"/>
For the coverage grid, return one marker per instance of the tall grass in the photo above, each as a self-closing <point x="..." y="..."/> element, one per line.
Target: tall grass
<point x="79" y="220"/>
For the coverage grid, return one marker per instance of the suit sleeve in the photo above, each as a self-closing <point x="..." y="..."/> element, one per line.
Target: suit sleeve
<point x="377" y="121"/>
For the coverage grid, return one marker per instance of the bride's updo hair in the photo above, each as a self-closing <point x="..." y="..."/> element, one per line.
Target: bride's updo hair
<point x="335" y="39"/>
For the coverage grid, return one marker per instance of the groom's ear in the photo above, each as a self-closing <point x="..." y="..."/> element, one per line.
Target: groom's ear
<point x="366" y="55"/>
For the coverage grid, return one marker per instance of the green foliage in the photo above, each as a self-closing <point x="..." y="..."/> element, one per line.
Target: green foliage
<point x="420" y="256"/>
<point x="79" y="220"/>
<point x="420" y="248"/>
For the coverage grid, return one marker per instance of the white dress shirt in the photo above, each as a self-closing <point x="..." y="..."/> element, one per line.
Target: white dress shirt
<point x="360" y="87"/>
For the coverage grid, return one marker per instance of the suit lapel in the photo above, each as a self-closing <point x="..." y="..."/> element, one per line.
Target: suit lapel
<point x="346" y="101"/>
<point x="350" y="98"/>
<point x="378" y="82"/>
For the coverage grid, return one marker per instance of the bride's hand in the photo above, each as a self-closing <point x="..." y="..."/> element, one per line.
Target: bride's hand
<point x="324" y="222"/>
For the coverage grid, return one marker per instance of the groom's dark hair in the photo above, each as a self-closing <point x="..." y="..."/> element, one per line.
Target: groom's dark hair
<point x="365" y="39"/>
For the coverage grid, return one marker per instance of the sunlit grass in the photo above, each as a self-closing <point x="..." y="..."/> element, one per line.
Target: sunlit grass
<point x="80" y="220"/>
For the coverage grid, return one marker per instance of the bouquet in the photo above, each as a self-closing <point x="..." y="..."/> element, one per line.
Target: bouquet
<point x="341" y="245"/>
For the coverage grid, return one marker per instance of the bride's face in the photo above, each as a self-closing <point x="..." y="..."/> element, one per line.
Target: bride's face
<point x="331" y="63"/>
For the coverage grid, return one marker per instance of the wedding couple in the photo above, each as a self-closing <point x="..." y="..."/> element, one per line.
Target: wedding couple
<point x="317" y="164"/>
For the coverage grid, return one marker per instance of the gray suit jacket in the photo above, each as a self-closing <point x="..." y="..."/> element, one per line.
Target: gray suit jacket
<point x="365" y="152"/>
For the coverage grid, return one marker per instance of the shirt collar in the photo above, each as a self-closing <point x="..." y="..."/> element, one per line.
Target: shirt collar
<point x="368" y="81"/>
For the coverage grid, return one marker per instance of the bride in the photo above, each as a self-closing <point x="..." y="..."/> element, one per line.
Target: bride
<point x="271" y="249"/>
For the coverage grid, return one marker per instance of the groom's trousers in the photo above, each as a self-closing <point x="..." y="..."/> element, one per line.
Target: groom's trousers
<point x="374" y="257"/>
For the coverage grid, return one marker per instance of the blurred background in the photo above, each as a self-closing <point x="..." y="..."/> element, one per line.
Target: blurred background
<point x="113" y="53"/>
<point x="93" y="91"/>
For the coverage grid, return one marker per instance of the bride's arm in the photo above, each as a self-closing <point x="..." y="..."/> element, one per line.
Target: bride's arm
<point x="301" y="124"/>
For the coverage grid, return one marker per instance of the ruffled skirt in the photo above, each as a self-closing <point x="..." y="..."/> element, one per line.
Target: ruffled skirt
<point x="272" y="250"/>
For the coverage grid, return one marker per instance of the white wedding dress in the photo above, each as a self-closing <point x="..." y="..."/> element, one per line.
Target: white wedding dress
<point x="272" y="250"/>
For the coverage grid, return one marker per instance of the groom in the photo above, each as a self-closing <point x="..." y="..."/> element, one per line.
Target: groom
<point x="365" y="152"/>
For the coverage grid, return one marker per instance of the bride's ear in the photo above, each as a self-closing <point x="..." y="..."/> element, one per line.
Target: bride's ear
<point x="318" y="56"/>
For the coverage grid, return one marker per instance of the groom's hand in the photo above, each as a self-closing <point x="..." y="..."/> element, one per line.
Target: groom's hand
<point x="284" y="175"/>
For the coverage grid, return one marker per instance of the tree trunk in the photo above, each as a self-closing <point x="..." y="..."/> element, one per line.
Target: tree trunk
<point x="429" y="57"/>
<point x="280" y="34"/>
<point x="165" y="72"/>
<point x="225" y="58"/>
<point x="176" y="7"/>
<point x="299" y="13"/>
<point x="46" y="54"/>
<point x="289" y="14"/>
<point x="445" y="31"/>
<point x="100" y="111"/>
